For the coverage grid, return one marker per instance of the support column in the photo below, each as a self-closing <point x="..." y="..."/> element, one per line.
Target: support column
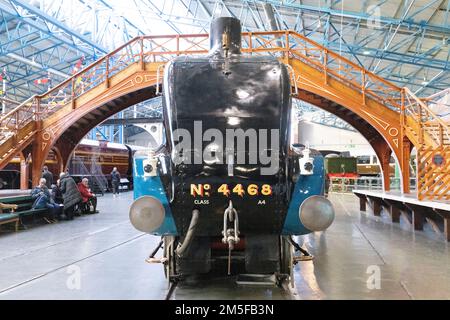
<point x="404" y="165"/>
<point x="65" y="149"/>
<point x="418" y="220"/>
<point x="394" y="210"/>
<point x="362" y="204"/>
<point x="39" y="154"/>
<point x="447" y="228"/>
<point x="37" y="164"/>
<point x="24" y="171"/>
<point x="395" y="213"/>
<point x="362" y="201"/>
<point x="383" y="152"/>
<point x="60" y="161"/>
<point x="376" y="206"/>
<point x="418" y="216"/>
<point x="386" y="173"/>
<point x="446" y="216"/>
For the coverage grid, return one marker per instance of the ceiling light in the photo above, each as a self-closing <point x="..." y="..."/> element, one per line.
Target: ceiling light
<point x="233" y="121"/>
<point x="242" y="94"/>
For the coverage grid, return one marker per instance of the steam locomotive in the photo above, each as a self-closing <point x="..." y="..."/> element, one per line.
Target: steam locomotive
<point x="227" y="185"/>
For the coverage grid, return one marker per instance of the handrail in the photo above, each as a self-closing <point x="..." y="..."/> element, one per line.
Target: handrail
<point x="423" y="105"/>
<point x="11" y="112"/>
<point x="437" y="94"/>
<point x="436" y="119"/>
<point x="347" y="61"/>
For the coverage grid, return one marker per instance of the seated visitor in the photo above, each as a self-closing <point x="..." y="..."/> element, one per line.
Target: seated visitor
<point x="70" y="193"/>
<point x="89" y="202"/>
<point x="43" y="199"/>
<point x="56" y="193"/>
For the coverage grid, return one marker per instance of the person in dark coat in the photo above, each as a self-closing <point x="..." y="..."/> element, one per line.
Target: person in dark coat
<point x="43" y="199"/>
<point x="48" y="176"/>
<point x="56" y="193"/>
<point x="70" y="193"/>
<point x="115" y="181"/>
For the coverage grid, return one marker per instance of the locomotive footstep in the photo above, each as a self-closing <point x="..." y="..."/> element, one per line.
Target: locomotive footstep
<point x="156" y="260"/>
<point x="256" y="279"/>
<point x="302" y="258"/>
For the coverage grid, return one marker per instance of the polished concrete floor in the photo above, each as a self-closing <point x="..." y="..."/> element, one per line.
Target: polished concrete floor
<point x="102" y="257"/>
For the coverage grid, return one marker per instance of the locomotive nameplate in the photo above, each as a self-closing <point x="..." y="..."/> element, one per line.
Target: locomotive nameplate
<point x="206" y="190"/>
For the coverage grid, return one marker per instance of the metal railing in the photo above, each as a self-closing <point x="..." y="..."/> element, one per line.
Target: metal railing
<point x="141" y="50"/>
<point x="347" y="185"/>
<point x="429" y="123"/>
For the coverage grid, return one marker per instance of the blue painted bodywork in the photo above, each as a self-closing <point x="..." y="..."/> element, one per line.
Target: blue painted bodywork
<point x="152" y="186"/>
<point x="305" y="187"/>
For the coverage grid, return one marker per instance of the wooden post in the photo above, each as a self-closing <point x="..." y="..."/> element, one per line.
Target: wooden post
<point x="39" y="154"/>
<point x="446" y="216"/>
<point x="107" y="73"/>
<point x="404" y="165"/>
<point x="376" y="206"/>
<point x="418" y="220"/>
<point x="418" y="216"/>
<point x="447" y="228"/>
<point x="141" y="54"/>
<point x="24" y="173"/>
<point x="72" y="94"/>
<point x="395" y="213"/>
<point x="362" y="203"/>
<point x="325" y="68"/>
<point x="386" y="173"/>
<point x="394" y="209"/>
<point x="363" y="86"/>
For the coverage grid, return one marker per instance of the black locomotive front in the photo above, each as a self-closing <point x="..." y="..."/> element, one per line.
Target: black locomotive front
<point x="226" y="105"/>
<point x="225" y="178"/>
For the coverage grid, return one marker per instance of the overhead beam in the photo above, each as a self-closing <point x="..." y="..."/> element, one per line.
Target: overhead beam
<point x="36" y="65"/>
<point x="58" y="24"/>
<point x="124" y="121"/>
<point x="444" y="29"/>
<point x="27" y="20"/>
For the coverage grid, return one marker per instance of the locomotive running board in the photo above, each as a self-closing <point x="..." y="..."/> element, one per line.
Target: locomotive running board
<point x="302" y="258"/>
<point x="257" y="279"/>
<point x="156" y="260"/>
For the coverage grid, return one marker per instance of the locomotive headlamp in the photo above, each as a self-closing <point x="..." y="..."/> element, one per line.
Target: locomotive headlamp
<point x="306" y="163"/>
<point x="316" y="213"/>
<point x="148" y="168"/>
<point x="147" y="214"/>
<point x="150" y="165"/>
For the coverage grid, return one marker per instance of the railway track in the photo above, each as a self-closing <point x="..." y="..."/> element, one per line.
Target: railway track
<point x="217" y="288"/>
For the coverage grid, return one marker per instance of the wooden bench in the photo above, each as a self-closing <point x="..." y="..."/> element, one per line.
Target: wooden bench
<point x="6" y="218"/>
<point x="24" y="209"/>
<point x="9" y="217"/>
<point x="416" y="212"/>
